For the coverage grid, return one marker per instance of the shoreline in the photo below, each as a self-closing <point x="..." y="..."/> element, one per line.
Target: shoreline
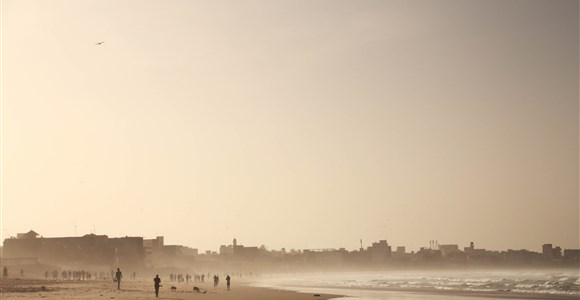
<point x="379" y="293"/>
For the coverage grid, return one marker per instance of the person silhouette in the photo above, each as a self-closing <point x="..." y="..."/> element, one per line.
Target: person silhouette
<point x="118" y="276"/>
<point x="228" y="281"/>
<point x="5" y="272"/>
<point x="157" y="282"/>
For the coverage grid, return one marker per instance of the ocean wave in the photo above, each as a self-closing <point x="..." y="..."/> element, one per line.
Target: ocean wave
<point x="563" y="283"/>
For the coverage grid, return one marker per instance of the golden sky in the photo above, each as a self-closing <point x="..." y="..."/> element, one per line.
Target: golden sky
<point x="297" y="124"/>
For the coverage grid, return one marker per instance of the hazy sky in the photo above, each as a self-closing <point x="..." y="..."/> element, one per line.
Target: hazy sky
<point x="297" y="124"/>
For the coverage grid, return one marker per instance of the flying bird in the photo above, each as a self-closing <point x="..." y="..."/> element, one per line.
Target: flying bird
<point x="99" y="43"/>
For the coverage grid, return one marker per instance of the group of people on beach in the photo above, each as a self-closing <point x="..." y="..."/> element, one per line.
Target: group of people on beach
<point x="118" y="276"/>
<point x="72" y="275"/>
<point x="216" y="281"/>
<point x="79" y="275"/>
<point x="180" y="278"/>
<point x="173" y="277"/>
<point x="5" y="272"/>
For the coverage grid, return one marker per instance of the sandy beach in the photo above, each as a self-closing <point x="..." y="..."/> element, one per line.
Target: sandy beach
<point x="140" y="289"/>
<point x="143" y="289"/>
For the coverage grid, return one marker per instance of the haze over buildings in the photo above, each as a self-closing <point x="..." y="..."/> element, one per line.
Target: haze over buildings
<point x="100" y="252"/>
<point x="304" y="124"/>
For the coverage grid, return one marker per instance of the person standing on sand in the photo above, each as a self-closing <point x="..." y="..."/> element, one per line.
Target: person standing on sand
<point x="118" y="276"/>
<point x="5" y="272"/>
<point x="228" y="281"/>
<point x="157" y="282"/>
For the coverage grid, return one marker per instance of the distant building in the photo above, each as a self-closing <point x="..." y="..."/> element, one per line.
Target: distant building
<point x="557" y="253"/>
<point x="428" y="254"/>
<point x="179" y="251"/>
<point x="88" y="250"/>
<point x="153" y="250"/>
<point x="523" y="257"/>
<point x="547" y="251"/>
<point x="399" y="252"/>
<point x="469" y="249"/>
<point x="447" y="250"/>
<point x="246" y="252"/>
<point x="160" y="255"/>
<point x="239" y="251"/>
<point x="572" y="255"/>
<point x="29" y="235"/>
<point x="380" y="250"/>
<point x="226" y="250"/>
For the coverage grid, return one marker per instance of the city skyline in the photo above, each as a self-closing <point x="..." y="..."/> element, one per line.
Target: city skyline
<point x="306" y="124"/>
<point x="431" y="244"/>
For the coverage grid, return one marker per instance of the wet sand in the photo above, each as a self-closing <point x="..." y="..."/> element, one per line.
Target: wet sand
<point x="428" y="294"/>
<point x="140" y="289"/>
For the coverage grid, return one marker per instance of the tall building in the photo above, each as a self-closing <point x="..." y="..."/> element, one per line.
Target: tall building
<point x="380" y="250"/>
<point x="547" y="251"/>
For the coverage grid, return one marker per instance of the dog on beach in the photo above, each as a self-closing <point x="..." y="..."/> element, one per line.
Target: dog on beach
<point x="173" y="288"/>
<point x="198" y="290"/>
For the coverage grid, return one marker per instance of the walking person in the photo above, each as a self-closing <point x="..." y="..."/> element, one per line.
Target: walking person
<point x="157" y="282"/>
<point x="228" y="281"/>
<point x="118" y="276"/>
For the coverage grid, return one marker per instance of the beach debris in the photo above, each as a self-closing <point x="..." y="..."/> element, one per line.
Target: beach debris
<point x="173" y="288"/>
<point x="42" y="288"/>
<point x="198" y="290"/>
<point x="316" y="295"/>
